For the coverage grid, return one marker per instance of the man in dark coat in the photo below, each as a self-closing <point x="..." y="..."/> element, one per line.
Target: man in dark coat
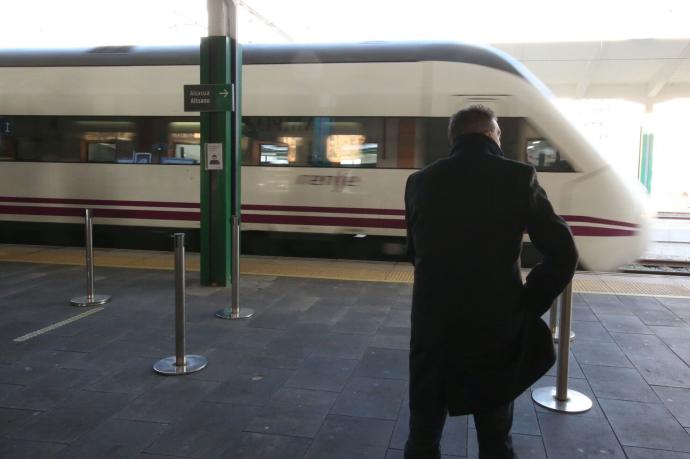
<point x="477" y="337"/>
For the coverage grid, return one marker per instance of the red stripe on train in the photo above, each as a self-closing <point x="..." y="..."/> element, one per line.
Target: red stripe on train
<point x="103" y="213"/>
<point x="270" y="219"/>
<point x="598" y="231"/>
<point x="324" y="221"/>
<point x="330" y="210"/>
<point x="101" y="202"/>
<point x="603" y="221"/>
<point x="265" y="207"/>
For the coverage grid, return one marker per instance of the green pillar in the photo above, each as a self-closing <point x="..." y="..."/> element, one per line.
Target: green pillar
<point x="646" y="161"/>
<point x="218" y="57"/>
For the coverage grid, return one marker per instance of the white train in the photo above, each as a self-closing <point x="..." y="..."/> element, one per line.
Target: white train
<point x="330" y="134"/>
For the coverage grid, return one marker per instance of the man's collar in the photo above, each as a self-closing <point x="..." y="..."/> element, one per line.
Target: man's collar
<point x="474" y="143"/>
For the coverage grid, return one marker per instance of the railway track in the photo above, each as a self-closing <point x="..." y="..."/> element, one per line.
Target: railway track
<point x="665" y="267"/>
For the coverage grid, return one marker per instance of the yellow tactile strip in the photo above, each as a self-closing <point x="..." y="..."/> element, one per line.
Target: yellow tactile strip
<point x="606" y="283"/>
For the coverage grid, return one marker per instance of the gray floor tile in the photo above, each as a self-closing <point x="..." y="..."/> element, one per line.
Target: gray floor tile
<point x="677" y="400"/>
<point x="347" y="437"/>
<point x="263" y="446"/>
<point x="583" y="314"/>
<point x="677" y="338"/>
<point x="588" y="352"/>
<point x="167" y="401"/>
<point x="122" y="432"/>
<point x="71" y="417"/>
<point x="574" y="370"/>
<point x="657" y="364"/>
<point x="679" y="306"/>
<point x="298" y="342"/>
<point x="11" y="419"/>
<point x="592" y="331"/>
<point x="101" y="450"/>
<point x="324" y="315"/>
<point x="342" y="345"/>
<point x="602" y="300"/>
<point x="525" y="416"/>
<point x="648" y="425"/>
<point x="384" y="363"/>
<point x="618" y="384"/>
<point x="309" y="400"/>
<point x="135" y="378"/>
<point x="22" y="449"/>
<point x="660" y="317"/>
<point x="644" y="453"/>
<point x="397" y="318"/>
<point x="276" y="318"/>
<point x="322" y="373"/>
<point x="294" y="412"/>
<point x="250" y="387"/>
<point x="623" y="324"/>
<point x="204" y="431"/>
<point x="371" y="398"/>
<point x="386" y="341"/>
<point x="360" y="320"/>
<point x="639" y="303"/>
<point x="569" y="436"/>
<point x="293" y="422"/>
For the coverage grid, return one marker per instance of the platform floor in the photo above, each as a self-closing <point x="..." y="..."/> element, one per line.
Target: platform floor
<point x="320" y="371"/>
<point x="343" y="270"/>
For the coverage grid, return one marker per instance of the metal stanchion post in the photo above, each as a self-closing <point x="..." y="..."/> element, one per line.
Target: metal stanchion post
<point x="560" y="398"/>
<point x="90" y="299"/>
<point x="553" y="322"/>
<point x="234" y="312"/>
<point x="180" y="364"/>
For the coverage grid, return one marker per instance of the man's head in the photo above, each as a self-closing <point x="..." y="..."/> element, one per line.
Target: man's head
<point x="476" y="119"/>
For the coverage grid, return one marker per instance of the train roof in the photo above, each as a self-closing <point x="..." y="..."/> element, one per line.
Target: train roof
<point x="269" y="54"/>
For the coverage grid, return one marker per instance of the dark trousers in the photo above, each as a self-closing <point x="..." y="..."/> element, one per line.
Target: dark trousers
<point x="493" y="433"/>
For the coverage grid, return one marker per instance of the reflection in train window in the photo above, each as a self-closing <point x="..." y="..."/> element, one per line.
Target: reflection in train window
<point x="545" y="157"/>
<point x="276" y="154"/>
<point x="101" y="152"/>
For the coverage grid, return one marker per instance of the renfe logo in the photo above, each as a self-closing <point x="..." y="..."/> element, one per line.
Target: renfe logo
<point x="338" y="181"/>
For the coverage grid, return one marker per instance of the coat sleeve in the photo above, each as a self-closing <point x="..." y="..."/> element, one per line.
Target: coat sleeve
<point x="408" y="220"/>
<point x="551" y="235"/>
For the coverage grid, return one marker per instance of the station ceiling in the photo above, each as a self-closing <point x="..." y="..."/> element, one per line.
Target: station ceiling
<point x="643" y="70"/>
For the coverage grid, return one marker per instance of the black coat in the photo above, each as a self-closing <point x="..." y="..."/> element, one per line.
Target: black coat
<point x="477" y="337"/>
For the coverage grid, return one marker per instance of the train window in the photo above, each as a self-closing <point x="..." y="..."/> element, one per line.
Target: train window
<point x="102" y="152"/>
<point x="8" y="148"/>
<point x="131" y="140"/>
<point x="545" y="157"/>
<point x="276" y="154"/>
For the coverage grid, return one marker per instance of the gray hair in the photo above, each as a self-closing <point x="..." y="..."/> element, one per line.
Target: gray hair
<point x="473" y="119"/>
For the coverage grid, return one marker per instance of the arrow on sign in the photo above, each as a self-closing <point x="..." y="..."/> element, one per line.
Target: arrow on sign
<point x="224" y="93"/>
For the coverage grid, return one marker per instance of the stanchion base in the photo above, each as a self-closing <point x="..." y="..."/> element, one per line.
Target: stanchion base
<point x="554" y="332"/>
<point x="95" y="300"/>
<point x="193" y="363"/>
<point x="226" y="313"/>
<point x="576" y="402"/>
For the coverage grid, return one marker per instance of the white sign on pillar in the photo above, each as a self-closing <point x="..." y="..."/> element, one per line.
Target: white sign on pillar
<point x="214" y="156"/>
